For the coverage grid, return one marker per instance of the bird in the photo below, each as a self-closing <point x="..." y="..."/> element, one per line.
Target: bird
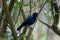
<point x="28" y="21"/>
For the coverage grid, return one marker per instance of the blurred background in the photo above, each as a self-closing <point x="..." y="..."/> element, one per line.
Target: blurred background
<point x="14" y="12"/>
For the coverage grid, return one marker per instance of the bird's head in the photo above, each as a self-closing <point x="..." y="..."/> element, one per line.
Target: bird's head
<point x="35" y="14"/>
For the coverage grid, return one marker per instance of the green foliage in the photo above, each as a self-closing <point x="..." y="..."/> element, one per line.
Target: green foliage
<point x="8" y="34"/>
<point x="48" y="1"/>
<point x="22" y="36"/>
<point x="16" y="5"/>
<point x="38" y="1"/>
<point x="27" y="4"/>
<point x="31" y="37"/>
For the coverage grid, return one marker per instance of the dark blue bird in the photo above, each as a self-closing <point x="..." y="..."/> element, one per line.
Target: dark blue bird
<point x="28" y="21"/>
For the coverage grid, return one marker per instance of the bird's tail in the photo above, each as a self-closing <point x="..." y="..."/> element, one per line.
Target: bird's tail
<point x="19" y="28"/>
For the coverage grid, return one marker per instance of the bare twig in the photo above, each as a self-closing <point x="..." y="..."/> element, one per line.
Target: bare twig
<point x="42" y="7"/>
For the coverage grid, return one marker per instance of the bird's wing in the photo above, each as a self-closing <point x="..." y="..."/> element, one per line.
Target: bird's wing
<point x="28" y="19"/>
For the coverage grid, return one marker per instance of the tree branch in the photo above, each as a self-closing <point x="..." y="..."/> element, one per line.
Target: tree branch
<point x="9" y="19"/>
<point x="11" y="5"/>
<point x="56" y="17"/>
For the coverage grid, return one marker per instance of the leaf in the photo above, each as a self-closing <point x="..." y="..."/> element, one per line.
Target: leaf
<point x="48" y="1"/>
<point x="38" y="0"/>
<point x="27" y="4"/>
<point x="22" y="36"/>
